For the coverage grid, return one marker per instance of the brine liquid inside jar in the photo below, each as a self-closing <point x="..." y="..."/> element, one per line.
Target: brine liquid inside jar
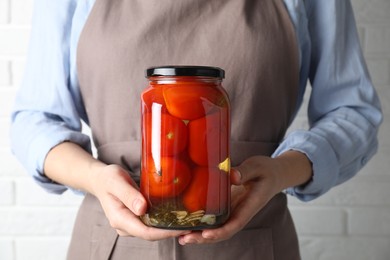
<point x="185" y="162"/>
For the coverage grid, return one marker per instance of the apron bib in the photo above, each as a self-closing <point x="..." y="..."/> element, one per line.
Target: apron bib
<point x="253" y="41"/>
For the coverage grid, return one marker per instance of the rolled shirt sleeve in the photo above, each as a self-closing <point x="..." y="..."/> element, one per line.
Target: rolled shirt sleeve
<point x="46" y="110"/>
<point x="344" y="111"/>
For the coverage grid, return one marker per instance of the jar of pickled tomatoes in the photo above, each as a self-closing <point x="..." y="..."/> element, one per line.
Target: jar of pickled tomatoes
<point x="185" y="162"/>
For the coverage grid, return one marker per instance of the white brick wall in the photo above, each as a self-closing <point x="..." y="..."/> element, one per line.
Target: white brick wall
<point x="350" y="222"/>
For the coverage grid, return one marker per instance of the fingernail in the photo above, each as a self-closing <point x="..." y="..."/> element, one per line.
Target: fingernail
<point x="238" y="176"/>
<point x="137" y="204"/>
<point x="208" y="236"/>
<point x="190" y="241"/>
<point x="181" y="241"/>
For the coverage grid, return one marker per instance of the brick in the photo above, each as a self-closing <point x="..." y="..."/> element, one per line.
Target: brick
<point x="361" y="33"/>
<point x="355" y="193"/>
<point x="384" y="140"/>
<point x="4" y="11"/>
<point x="40" y="248"/>
<point x="369" y="221"/>
<point x="21" y="12"/>
<point x="345" y="248"/>
<point x="7" y="189"/>
<point x="4" y="132"/>
<point x="379" y="70"/>
<point x="14" y="41"/>
<point x="17" y="71"/>
<point x="7" y="97"/>
<point x="371" y="11"/>
<point x="377" y="167"/>
<point x="5" y="73"/>
<point x="30" y="194"/>
<point x="319" y="221"/>
<point x="36" y="221"/>
<point x="377" y="40"/>
<point x="7" y="249"/>
<point x="300" y="122"/>
<point x="10" y="165"/>
<point x="384" y="95"/>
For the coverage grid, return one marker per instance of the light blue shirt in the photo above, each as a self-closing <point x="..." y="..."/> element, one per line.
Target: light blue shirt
<point x="344" y="111"/>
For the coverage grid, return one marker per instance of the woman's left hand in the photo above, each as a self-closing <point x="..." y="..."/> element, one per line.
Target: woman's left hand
<point x="254" y="183"/>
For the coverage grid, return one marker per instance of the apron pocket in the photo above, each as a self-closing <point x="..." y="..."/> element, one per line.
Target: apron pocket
<point x="246" y="245"/>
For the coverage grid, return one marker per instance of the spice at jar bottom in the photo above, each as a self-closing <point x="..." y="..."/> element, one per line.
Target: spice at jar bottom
<point x="185" y="162"/>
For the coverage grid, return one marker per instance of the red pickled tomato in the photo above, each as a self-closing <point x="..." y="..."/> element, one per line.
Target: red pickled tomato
<point x="191" y="101"/>
<point x="153" y="95"/>
<point x="208" y="139"/>
<point x="208" y="190"/>
<point x="168" y="179"/>
<point x="168" y="134"/>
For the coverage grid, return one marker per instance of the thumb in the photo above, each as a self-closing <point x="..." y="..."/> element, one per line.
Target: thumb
<point x="137" y="200"/>
<point x="125" y="190"/>
<point x="249" y="170"/>
<point x="133" y="199"/>
<point x="235" y="176"/>
<point x="138" y="206"/>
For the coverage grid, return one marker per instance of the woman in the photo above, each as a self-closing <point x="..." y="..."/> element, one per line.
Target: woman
<point x="87" y="61"/>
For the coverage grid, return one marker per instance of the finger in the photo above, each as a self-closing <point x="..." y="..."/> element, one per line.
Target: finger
<point x="127" y="224"/>
<point x="243" y="213"/>
<point x="122" y="233"/>
<point x="237" y="195"/>
<point x="245" y="172"/>
<point x="235" y="176"/>
<point x="127" y="193"/>
<point x="253" y="168"/>
<point x="131" y="198"/>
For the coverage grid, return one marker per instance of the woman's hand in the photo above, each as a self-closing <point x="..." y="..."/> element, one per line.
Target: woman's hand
<point x="69" y="164"/>
<point x="123" y="204"/>
<point x="255" y="182"/>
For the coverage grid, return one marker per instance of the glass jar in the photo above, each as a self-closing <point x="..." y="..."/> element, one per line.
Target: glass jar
<point x="185" y="162"/>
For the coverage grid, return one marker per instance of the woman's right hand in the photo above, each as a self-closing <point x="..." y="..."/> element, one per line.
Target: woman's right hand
<point x="69" y="164"/>
<point x="123" y="203"/>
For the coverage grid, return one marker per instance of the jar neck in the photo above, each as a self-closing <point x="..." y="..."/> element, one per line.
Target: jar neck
<point x="184" y="79"/>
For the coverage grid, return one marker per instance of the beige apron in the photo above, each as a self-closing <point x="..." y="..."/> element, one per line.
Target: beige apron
<point x="253" y="40"/>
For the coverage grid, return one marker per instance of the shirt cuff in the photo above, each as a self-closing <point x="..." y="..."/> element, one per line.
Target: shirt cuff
<point x="42" y="146"/>
<point x="324" y="162"/>
<point x="31" y="146"/>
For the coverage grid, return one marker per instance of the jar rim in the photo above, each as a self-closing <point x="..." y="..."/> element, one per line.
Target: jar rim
<point x="201" y="71"/>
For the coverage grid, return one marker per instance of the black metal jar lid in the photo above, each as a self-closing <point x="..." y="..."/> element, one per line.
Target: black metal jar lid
<point x="201" y="71"/>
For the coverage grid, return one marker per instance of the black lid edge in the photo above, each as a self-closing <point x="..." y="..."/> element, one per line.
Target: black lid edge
<point x="205" y="71"/>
